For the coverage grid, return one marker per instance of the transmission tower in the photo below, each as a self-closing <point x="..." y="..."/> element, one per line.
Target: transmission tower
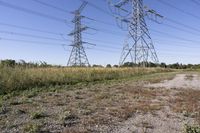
<point x="78" y="55"/>
<point x="138" y="46"/>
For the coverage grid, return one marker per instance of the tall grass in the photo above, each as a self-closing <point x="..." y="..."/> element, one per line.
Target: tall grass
<point x="14" y="79"/>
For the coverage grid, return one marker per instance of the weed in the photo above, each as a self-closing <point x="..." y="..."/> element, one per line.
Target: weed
<point x="69" y="119"/>
<point x="32" y="128"/>
<point x="38" y="115"/>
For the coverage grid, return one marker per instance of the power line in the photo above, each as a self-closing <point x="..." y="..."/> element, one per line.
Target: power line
<point x="5" y="4"/>
<point x="54" y="44"/>
<point x="66" y="11"/>
<point x="196" y="2"/>
<point x="52" y="6"/>
<point x="176" y="37"/>
<point x="30" y="29"/>
<point x="26" y="41"/>
<point x="180" y="29"/>
<point x="100" y="21"/>
<point x="98" y="8"/>
<point x="166" y="18"/>
<point x="56" y="39"/>
<point x="33" y="36"/>
<point x="178" y="9"/>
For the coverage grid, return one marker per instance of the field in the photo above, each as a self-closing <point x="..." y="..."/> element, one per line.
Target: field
<point x="82" y="100"/>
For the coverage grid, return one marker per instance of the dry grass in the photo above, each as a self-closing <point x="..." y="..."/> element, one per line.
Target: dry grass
<point x="15" y="79"/>
<point x="189" y="77"/>
<point x="187" y="102"/>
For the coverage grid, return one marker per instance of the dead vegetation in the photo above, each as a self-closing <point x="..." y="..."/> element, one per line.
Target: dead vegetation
<point x="187" y="101"/>
<point x="189" y="77"/>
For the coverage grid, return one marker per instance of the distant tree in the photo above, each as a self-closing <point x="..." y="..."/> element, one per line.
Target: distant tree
<point x="129" y="64"/>
<point x="163" y="65"/>
<point x="116" y="66"/>
<point x="190" y="66"/>
<point x="97" y="65"/>
<point x="108" y="66"/>
<point x="22" y="63"/>
<point x="151" y="64"/>
<point x="8" y="63"/>
<point x="175" y="66"/>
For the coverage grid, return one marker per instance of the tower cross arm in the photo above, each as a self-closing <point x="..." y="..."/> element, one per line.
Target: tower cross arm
<point x="153" y="12"/>
<point x="77" y="31"/>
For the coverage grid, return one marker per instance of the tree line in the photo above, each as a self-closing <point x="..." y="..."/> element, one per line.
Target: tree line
<point x="22" y="63"/>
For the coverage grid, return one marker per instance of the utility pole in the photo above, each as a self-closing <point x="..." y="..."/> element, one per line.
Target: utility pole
<point x="78" y="55"/>
<point x="139" y="46"/>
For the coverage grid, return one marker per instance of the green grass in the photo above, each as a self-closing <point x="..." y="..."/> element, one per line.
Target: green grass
<point x="192" y="129"/>
<point x="15" y="79"/>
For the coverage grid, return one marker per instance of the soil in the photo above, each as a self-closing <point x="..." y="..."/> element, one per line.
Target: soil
<point x="164" y="120"/>
<point x="180" y="81"/>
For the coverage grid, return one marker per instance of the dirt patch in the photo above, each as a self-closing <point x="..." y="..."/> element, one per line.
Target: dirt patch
<point x="180" y="108"/>
<point x="180" y="81"/>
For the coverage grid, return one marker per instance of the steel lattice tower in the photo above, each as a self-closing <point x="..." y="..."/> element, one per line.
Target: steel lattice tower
<point x="138" y="47"/>
<point x="78" y="55"/>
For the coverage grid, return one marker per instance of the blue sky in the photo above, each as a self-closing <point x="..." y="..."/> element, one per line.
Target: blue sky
<point x="173" y="46"/>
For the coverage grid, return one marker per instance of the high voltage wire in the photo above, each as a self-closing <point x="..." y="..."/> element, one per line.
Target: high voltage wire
<point x="173" y="36"/>
<point x="49" y="32"/>
<point x="105" y="46"/>
<point x="66" y="11"/>
<point x="175" y="43"/>
<point x="26" y="41"/>
<point x="52" y="6"/>
<point x="111" y="32"/>
<point x="6" y="4"/>
<point x="42" y="37"/>
<point x="196" y="2"/>
<point x="56" y="44"/>
<point x="157" y="31"/>
<point x="178" y="9"/>
<point x="166" y="18"/>
<point x="30" y="29"/>
<point x="27" y="28"/>
<point x="180" y="29"/>
<point x="114" y="32"/>
<point x="56" y="39"/>
<point x="33" y="36"/>
<point x="46" y="16"/>
<point x="98" y="8"/>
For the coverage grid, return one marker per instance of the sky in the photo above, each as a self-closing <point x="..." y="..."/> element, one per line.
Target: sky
<point x="34" y="32"/>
